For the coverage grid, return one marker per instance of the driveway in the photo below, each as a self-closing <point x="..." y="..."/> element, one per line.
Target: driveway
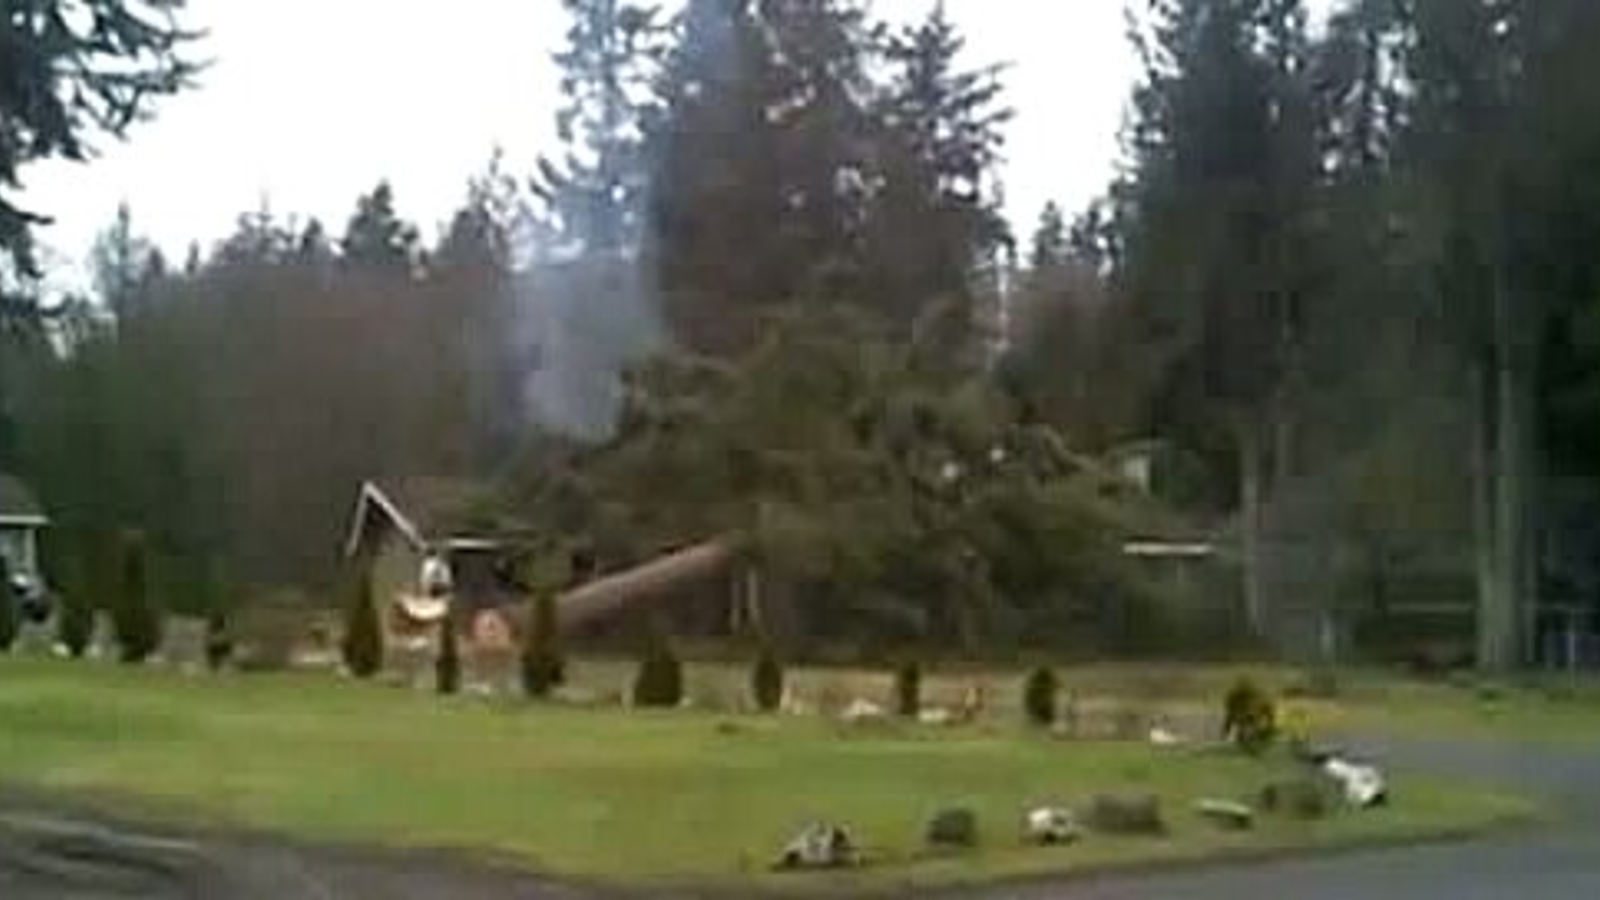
<point x="71" y="854"/>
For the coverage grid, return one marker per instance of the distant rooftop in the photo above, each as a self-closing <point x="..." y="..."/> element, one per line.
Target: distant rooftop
<point x="17" y="501"/>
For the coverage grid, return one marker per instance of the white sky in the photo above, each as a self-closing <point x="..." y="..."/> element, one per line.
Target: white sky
<point x="310" y="102"/>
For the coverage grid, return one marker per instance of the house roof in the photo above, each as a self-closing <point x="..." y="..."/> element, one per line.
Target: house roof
<point x="18" y="503"/>
<point x="431" y="511"/>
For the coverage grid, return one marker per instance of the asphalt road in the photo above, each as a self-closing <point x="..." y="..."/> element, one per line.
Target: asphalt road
<point x="72" y="854"/>
<point x="52" y="852"/>
<point x="1557" y="862"/>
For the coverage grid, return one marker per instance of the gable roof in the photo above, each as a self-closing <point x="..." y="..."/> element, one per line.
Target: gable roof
<point x="430" y="512"/>
<point x="18" y="505"/>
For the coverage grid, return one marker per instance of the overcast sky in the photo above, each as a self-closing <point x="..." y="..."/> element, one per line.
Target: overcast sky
<point x="310" y="102"/>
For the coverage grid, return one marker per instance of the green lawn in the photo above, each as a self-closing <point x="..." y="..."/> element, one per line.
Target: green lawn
<point x="608" y="794"/>
<point x="1543" y="711"/>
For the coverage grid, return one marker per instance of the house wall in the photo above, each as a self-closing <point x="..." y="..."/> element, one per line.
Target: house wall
<point x="20" y="547"/>
<point x="394" y="569"/>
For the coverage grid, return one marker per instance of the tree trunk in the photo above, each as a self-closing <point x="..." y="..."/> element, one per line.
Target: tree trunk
<point x="1283" y="441"/>
<point x="1529" y="475"/>
<point x="1504" y="644"/>
<point x="635" y="590"/>
<point x="1499" y="640"/>
<point x="1250" y="502"/>
<point x="1483" y="507"/>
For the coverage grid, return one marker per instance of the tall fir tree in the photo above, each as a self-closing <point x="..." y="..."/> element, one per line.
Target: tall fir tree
<point x="790" y="80"/>
<point x="1049" y="247"/>
<point x="68" y="78"/>
<point x="937" y="212"/>
<point x="121" y="259"/>
<point x="596" y="191"/>
<point x="376" y="237"/>
<point x="1224" y="162"/>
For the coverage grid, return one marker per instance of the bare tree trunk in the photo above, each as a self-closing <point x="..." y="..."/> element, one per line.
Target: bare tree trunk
<point x="1250" y="503"/>
<point x="1529" y="474"/>
<point x="1510" y="517"/>
<point x="1483" y="505"/>
<point x="1283" y="440"/>
<point x="1499" y="642"/>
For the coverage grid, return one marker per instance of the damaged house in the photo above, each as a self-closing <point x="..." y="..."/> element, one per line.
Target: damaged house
<point x="430" y="551"/>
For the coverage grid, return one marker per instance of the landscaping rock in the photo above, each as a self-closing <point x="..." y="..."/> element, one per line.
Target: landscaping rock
<point x="861" y="710"/>
<point x="1051" y="825"/>
<point x="1363" y="787"/>
<point x="1161" y="737"/>
<point x="953" y="829"/>
<point x="820" y="846"/>
<point x="1227" y="814"/>
<point x="1132" y="815"/>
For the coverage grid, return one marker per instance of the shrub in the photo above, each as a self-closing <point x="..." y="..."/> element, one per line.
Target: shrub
<point x="134" y="618"/>
<point x="1249" y="717"/>
<point x="219" y="640"/>
<point x="75" y="626"/>
<point x="951" y="829"/>
<point x="543" y="666"/>
<point x="908" y="689"/>
<point x="362" y="646"/>
<point x="766" y="681"/>
<point x="1039" y="696"/>
<point x="659" y="682"/>
<point x="447" y="666"/>
<point x="8" y="608"/>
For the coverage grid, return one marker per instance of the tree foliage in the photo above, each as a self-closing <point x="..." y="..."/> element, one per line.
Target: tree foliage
<point x="908" y="689"/>
<point x="873" y="154"/>
<point x="1039" y="696"/>
<point x="73" y="71"/>
<point x="543" y="664"/>
<point x="135" y="617"/>
<point x="10" y="614"/>
<point x="902" y="504"/>
<point x="75" y="617"/>
<point x="597" y="190"/>
<point x="362" y="644"/>
<point x="766" y="680"/>
<point x="377" y="237"/>
<point x="447" y="666"/>
<point x="659" y="680"/>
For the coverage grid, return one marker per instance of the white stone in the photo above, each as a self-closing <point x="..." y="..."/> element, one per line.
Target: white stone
<point x="819" y="846"/>
<point x="1363" y="786"/>
<point x="1161" y="737"/>
<point x="861" y="710"/>
<point x="1051" y="825"/>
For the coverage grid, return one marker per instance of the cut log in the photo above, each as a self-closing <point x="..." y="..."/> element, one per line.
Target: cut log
<point x="642" y="585"/>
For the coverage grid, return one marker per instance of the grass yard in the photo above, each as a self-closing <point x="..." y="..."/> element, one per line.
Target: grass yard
<point x="611" y="795"/>
<point x="1547" y="709"/>
<point x="1553" y="710"/>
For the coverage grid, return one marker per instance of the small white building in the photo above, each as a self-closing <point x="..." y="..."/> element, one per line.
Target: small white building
<point x="22" y="518"/>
